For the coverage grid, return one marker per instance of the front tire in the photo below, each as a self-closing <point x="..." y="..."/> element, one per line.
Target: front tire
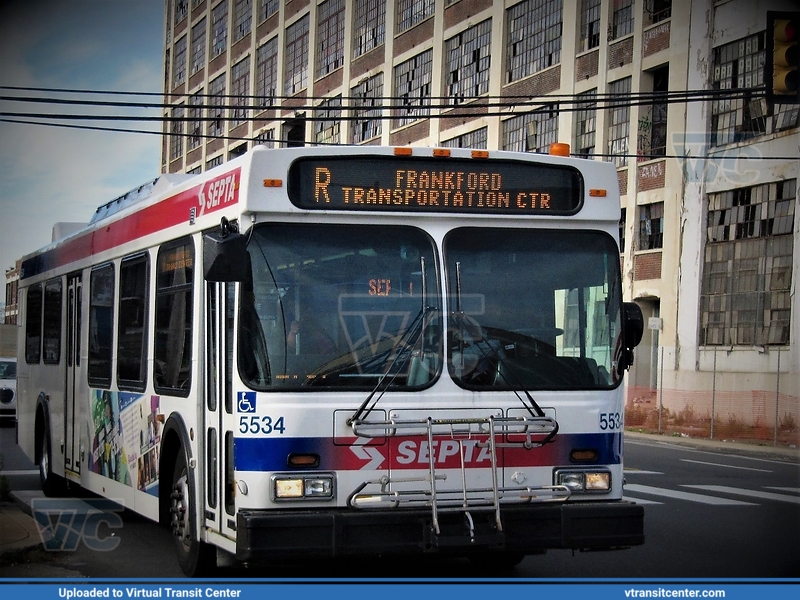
<point x="52" y="484"/>
<point x="194" y="556"/>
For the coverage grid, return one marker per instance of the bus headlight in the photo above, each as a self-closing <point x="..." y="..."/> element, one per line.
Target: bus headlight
<point x="583" y="481"/>
<point x="311" y="486"/>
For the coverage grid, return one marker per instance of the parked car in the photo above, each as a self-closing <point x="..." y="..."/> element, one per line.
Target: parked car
<point x="8" y="388"/>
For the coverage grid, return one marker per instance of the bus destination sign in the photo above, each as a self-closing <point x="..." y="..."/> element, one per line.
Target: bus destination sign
<point x="435" y="185"/>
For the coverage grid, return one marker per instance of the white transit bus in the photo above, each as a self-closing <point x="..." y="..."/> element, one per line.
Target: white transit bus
<point x="350" y="351"/>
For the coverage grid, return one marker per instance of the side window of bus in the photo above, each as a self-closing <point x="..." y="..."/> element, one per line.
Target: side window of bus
<point x="173" y="336"/>
<point x="52" y="322"/>
<point x="101" y="325"/>
<point x="132" y="323"/>
<point x="33" y="325"/>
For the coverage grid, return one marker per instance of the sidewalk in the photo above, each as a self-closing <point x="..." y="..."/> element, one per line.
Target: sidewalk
<point x="18" y="530"/>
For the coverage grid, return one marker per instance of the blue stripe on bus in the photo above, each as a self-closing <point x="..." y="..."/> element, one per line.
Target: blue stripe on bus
<point x="272" y="453"/>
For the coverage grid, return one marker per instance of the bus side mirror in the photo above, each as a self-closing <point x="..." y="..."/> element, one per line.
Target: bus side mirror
<point x="632" y="330"/>
<point x="225" y="256"/>
<point x="633" y="324"/>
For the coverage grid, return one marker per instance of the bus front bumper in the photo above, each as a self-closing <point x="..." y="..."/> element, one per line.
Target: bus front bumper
<point x="529" y="529"/>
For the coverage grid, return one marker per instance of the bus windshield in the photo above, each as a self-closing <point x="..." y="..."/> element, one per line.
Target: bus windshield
<point x="532" y="309"/>
<point x="339" y="306"/>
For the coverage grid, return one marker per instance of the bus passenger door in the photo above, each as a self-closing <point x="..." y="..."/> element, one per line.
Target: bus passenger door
<point x="72" y="384"/>
<point x="220" y="515"/>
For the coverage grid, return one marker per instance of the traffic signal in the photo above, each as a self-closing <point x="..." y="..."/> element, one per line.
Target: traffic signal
<point x="780" y="73"/>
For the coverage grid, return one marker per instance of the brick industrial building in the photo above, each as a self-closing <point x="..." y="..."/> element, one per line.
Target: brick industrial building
<point x="670" y="91"/>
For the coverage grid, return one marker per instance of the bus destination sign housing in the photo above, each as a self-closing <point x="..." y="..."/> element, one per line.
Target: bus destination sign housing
<point x="384" y="183"/>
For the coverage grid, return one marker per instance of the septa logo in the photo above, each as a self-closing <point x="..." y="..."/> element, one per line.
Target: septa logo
<point x="219" y="192"/>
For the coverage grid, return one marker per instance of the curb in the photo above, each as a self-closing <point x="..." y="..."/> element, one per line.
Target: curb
<point x="727" y="446"/>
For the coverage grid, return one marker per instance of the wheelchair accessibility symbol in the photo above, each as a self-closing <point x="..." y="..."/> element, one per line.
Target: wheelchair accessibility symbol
<point x="247" y="402"/>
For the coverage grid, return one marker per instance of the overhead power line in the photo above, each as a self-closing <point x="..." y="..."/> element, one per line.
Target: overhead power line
<point x="724" y="156"/>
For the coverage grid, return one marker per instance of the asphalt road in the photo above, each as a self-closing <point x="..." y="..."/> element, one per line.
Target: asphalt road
<point x="711" y="511"/>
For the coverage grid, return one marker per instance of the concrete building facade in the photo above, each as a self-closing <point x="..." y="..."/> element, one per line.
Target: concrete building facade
<point x="671" y="91"/>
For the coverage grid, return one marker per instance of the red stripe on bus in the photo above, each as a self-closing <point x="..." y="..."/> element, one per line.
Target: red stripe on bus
<point x="170" y="212"/>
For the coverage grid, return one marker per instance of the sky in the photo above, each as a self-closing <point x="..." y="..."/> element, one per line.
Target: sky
<point x="51" y="174"/>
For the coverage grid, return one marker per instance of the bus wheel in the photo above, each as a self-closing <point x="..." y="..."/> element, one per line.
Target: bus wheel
<point x="50" y="482"/>
<point x="193" y="555"/>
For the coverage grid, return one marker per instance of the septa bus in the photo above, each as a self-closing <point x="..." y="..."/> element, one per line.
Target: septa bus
<point x="316" y="352"/>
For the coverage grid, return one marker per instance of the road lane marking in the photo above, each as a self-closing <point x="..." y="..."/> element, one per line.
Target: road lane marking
<point x="749" y="493"/>
<point x="646" y="489"/>
<point x="29" y="472"/>
<point x="700" y="462"/>
<point x="640" y="472"/>
<point x="791" y="490"/>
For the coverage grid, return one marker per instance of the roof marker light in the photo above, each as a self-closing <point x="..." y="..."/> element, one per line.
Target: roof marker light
<point x="558" y="149"/>
<point x="402" y="151"/>
<point x="597" y="193"/>
<point x="273" y="183"/>
<point x="441" y="152"/>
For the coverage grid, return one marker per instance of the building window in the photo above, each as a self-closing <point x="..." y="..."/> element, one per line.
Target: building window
<point x="747" y="272"/>
<point x="534" y="37"/>
<point x="296" y="59"/>
<point x="411" y="12"/>
<point x="179" y="63"/>
<point x="651" y="226"/>
<point x="366" y="108"/>
<point x="267" y="73"/>
<point x="468" y="59"/>
<point x="590" y="25"/>
<point x="473" y="139"/>
<point x="585" y="122"/>
<point x="738" y="66"/>
<point x="531" y="132"/>
<point x="652" y="138"/>
<point x="195" y="123"/>
<point x="198" y="46"/>
<point x="172" y="365"/>
<point x="213" y="162"/>
<point x="330" y="37"/>
<point x="242" y="19"/>
<point x="240" y="92"/>
<point x="618" y="120"/>
<point x="181" y="10"/>
<point x="176" y="131"/>
<point x="412" y="88"/>
<point x="622" y="19"/>
<point x="265" y="138"/>
<point x="327" y="121"/>
<point x="369" y="25"/>
<point x="101" y="325"/>
<point x="656" y="11"/>
<point x="132" y="323"/>
<point x="219" y="29"/>
<point x="267" y="8"/>
<point x="622" y="229"/>
<point x="216" y="110"/>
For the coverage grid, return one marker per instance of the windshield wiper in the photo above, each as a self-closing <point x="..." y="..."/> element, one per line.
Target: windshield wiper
<point x="416" y="326"/>
<point x="476" y="334"/>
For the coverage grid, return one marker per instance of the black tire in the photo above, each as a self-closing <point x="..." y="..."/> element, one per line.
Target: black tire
<point x="52" y="484"/>
<point x="194" y="556"/>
